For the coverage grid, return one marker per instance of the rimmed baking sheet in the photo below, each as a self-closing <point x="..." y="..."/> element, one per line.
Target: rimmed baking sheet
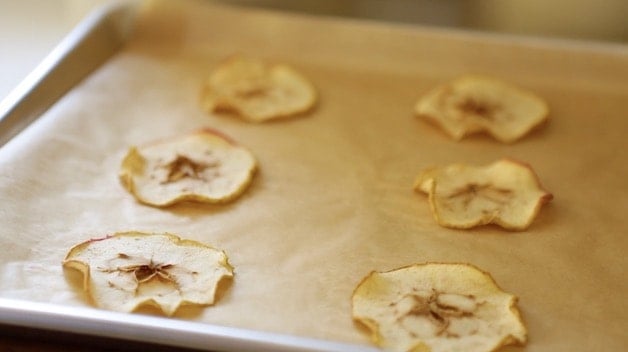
<point x="333" y="199"/>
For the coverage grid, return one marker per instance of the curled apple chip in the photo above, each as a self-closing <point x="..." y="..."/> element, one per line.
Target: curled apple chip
<point x="204" y="166"/>
<point x="127" y="270"/>
<point x="473" y="104"/>
<point x="506" y="192"/>
<point x="257" y="91"/>
<point x="437" y="307"/>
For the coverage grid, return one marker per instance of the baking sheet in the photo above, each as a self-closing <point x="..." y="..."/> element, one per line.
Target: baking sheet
<point x="333" y="199"/>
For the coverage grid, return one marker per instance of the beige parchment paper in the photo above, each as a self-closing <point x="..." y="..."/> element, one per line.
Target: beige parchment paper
<point x="333" y="199"/>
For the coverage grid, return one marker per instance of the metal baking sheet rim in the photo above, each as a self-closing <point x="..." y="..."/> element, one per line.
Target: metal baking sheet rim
<point x="91" y="43"/>
<point x="28" y="101"/>
<point x="166" y="331"/>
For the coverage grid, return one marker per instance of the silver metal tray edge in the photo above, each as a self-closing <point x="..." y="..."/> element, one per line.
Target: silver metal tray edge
<point x="84" y="49"/>
<point x="157" y="330"/>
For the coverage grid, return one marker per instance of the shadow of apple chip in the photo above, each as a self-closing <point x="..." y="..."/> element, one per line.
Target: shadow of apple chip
<point x="437" y="307"/>
<point x="128" y="270"/>
<point x="507" y="193"/>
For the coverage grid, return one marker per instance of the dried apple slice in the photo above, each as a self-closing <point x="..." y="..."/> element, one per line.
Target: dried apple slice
<point x="257" y="91"/>
<point x="204" y="166"/>
<point x="473" y="104"/>
<point x="128" y="270"/>
<point x="506" y="192"/>
<point x="437" y="307"/>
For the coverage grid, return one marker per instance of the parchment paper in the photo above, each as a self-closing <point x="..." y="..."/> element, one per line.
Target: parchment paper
<point x="333" y="199"/>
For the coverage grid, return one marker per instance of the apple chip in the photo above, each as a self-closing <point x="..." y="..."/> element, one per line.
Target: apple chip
<point x="127" y="270"/>
<point x="506" y="192"/>
<point x="437" y="307"/>
<point x="473" y="104"/>
<point x="257" y="91"/>
<point x="205" y="166"/>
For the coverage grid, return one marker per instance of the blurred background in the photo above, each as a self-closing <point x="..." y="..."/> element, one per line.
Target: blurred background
<point x="29" y="29"/>
<point x="605" y="20"/>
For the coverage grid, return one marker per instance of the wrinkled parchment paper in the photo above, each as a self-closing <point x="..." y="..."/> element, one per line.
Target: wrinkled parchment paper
<point x="333" y="199"/>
